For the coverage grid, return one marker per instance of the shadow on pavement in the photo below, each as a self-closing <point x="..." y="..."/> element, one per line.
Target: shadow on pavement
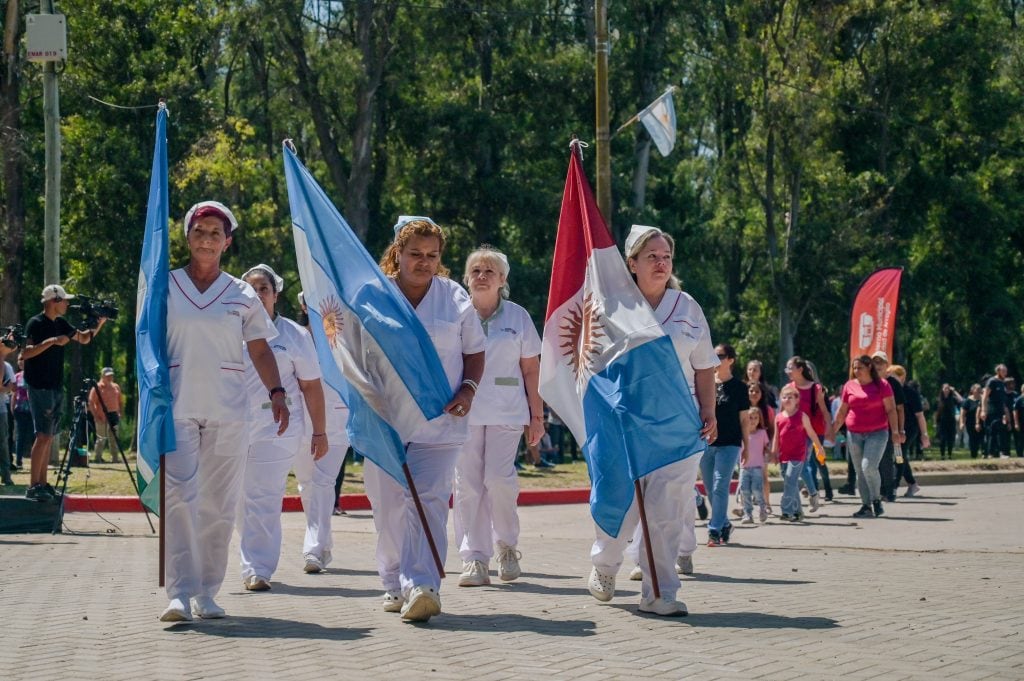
<point x="318" y="591"/>
<point x="541" y="575"/>
<point x="508" y="623"/>
<point x="270" y="628"/>
<point x="739" y="620"/>
<point x="722" y="579"/>
<point x="916" y="520"/>
<point x="534" y="588"/>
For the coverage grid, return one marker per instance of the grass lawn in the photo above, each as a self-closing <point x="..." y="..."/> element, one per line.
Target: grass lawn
<point x="109" y="479"/>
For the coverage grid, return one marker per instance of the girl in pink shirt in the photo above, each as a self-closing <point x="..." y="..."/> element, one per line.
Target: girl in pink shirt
<point x="752" y="462"/>
<point x="792" y="430"/>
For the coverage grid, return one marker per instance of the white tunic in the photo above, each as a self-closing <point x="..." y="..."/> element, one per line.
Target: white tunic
<point x="205" y="332"/>
<point x="296" y="361"/>
<point x="447" y="313"/>
<point x="501" y="399"/>
<point x="684" y="321"/>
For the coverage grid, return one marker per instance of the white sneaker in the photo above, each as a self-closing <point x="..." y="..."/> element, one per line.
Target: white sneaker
<point x="393" y="601"/>
<point x="684" y="565"/>
<point x="664" y="607"/>
<point x="474" y="573"/>
<point x="636" y="574"/>
<point x="176" y="611"/>
<point x="508" y="563"/>
<point x="313" y="564"/>
<point x="815" y="503"/>
<point x="256" y="583"/>
<point x="747" y="520"/>
<point x="601" y="586"/>
<point x="207" y="608"/>
<point x="424" y="602"/>
<point x="913" y="490"/>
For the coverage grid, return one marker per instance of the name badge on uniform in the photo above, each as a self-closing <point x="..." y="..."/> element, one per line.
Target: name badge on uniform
<point x="512" y="381"/>
<point x="267" y="405"/>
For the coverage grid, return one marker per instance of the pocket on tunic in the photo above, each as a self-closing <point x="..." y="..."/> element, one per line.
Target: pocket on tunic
<point x="446" y="337"/>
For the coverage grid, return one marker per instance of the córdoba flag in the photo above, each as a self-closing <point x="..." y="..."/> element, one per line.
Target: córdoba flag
<point x="156" y="420"/>
<point x="373" y="350"/>
<point x="607" y="367"/>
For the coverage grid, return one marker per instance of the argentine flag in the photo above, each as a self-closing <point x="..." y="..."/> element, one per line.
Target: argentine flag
<point x="607" y="367"/>
<point x="156" y="419"/>
<point x="373" y="350"/>
<point x="660" y="120"/>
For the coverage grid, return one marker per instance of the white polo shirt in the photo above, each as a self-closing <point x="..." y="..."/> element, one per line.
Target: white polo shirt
<point x="684" y="321"/>
<point x="447" y="313"/>
<point x="296" y="361"/>
<point x="501" y="399"/>
<point x="205" y="332"/>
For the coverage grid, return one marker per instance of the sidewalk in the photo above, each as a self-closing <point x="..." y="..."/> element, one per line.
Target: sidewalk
<point x="932" y="590"/>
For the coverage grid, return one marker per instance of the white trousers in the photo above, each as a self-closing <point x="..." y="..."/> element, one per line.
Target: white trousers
<point x="203" y="481"/>
<point x="404" y="559"/>
<point x="316" y="487"/>
<point x="667" y="492"/>
<point x="486" y="491"/>
<point x="259" y="509"/>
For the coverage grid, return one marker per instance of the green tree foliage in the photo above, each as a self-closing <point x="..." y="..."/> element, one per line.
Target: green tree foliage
<point x="816" y="142"/>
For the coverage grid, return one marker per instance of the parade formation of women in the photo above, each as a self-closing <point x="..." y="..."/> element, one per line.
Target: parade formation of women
<point x="249" y="406"/>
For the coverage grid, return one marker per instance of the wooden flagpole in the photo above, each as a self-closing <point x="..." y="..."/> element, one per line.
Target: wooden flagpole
<point x="423" y="519"/>
<point x="647" y="538"/>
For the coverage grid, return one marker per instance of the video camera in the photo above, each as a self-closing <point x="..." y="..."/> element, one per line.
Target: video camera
<point x="13" y="336"/>
<point x="92" y="309"/>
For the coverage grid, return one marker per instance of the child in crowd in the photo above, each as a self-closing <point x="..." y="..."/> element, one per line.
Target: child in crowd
<point x="792" y="429"/>
<point x="752" y="464"/>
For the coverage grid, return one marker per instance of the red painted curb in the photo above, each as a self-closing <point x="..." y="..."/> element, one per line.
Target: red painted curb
<point x="350" y="502"/>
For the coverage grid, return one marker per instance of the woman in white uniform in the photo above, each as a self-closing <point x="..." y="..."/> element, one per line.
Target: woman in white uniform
<point x="316" y="477"/>
<point x="668" y="497"/>
<point x="271" y="456"/>
<point x="209" y="315"/>
<point x="404" y="560"/>
<point x="486" y="484"/>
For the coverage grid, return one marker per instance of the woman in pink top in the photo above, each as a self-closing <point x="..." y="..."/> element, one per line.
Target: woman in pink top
<point x="812" y="402"/>
<point x="869" y="412"/>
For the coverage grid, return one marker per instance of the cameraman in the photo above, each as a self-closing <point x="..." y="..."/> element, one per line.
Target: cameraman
<point x="105" y="406"/>
<point x="46" y="334"/>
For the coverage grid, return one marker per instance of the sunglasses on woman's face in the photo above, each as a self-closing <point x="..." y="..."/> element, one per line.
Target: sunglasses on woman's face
<point x="721" y="356"/>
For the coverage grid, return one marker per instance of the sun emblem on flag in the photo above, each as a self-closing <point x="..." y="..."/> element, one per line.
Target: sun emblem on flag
<point x="580" y="331"/>
<point x="330" y="313"/>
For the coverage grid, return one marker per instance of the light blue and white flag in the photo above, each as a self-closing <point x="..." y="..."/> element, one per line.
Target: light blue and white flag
<point x="660" y="120"/>
<point x="373" y="349"/>
<point x="156" y="418"/>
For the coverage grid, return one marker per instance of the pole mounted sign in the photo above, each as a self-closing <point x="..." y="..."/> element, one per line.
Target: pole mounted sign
<point x="47" y="37"/>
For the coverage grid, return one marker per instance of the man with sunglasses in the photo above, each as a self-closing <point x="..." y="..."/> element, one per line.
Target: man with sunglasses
<point x="46" y="334"/>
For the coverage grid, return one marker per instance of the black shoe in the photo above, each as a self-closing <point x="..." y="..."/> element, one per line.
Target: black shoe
<point x="828" y="497"/>
<point x="543" y="464"/>
<point x="864" y="512"/>
<point x="702" y="508"/>
<point x="726" y="531"/>
<point x="891" y="498"/>
<point x="38" y="493"/>
<point x="877" y="504"/>
<point x="846" y="489"/>
<point x="7" y="481"/>
<point x="714" y="538"/>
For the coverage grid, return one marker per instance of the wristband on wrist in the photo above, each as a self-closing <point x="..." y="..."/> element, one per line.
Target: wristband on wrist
<point x="277" y="389"/>
<point x="319" y="434"/>
<point x="473" y="385"/>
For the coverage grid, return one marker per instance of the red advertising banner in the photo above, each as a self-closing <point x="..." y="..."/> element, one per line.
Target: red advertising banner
<point x="873" y="318"/>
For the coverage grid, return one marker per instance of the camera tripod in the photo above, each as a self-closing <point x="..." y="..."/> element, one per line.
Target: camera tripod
<point x="78" y="420"/>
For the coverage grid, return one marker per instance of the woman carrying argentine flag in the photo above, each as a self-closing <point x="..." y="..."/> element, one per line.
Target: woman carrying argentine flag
<point x="404" y="558"/>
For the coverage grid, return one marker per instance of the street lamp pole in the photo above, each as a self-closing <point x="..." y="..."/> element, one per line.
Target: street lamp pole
<point x="604" y="166"/>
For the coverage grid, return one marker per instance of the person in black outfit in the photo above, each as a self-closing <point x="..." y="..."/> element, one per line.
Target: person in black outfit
<point x="969" y="419"/>
<point x="915" y="428"/>
<point x="1013" y="431"/>
<point x="1018" y="424"/>
<point x="887" y="466"/>
<point x="945" y="418"/>
<point x="46" y="334"/>
<point x="994" y="415"/>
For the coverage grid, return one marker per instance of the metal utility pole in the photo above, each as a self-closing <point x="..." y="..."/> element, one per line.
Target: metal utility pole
<point x="51" y="124"/>
<point x="604" y="165"/>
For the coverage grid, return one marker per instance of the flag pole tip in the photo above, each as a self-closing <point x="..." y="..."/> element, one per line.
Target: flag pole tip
<point x="289" y="145"/>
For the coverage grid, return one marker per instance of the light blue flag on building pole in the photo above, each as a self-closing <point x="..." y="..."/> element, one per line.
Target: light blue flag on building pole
<point x="660" y="120"/>
<point x="156" y="419"/>
<point x="373" y="350"/>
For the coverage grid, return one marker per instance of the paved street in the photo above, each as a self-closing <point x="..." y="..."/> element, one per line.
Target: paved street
<point x="933" y="590"/>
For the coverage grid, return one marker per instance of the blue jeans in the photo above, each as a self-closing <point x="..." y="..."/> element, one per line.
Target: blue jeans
<point x="716" y="467"/>
<point x="791" y="487"/>
<point x="752" y="488"/>
<point x="810" y="471"/>
<point x="866" y="450"/>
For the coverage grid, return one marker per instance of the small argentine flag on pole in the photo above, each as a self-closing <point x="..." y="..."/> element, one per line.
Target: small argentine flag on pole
<point x="660" y="120"/>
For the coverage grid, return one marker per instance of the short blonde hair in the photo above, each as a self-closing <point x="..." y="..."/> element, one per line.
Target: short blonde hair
<point x="673" y="280"/>
<point x="389" y="261"/>
<point x="492" y="256"/>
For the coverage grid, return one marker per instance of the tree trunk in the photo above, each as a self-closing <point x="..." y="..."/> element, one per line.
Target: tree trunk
<point x="12" y="209"/>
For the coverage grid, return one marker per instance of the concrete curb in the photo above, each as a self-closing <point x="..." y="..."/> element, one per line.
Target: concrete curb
<point x="537" y="497"/>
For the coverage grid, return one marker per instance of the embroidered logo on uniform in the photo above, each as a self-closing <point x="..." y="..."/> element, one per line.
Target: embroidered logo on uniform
<point x="236" y="313"/>
<point x="580" y="331"/>
<point x="330" y="313"/>
<point x="280" y="347"/>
